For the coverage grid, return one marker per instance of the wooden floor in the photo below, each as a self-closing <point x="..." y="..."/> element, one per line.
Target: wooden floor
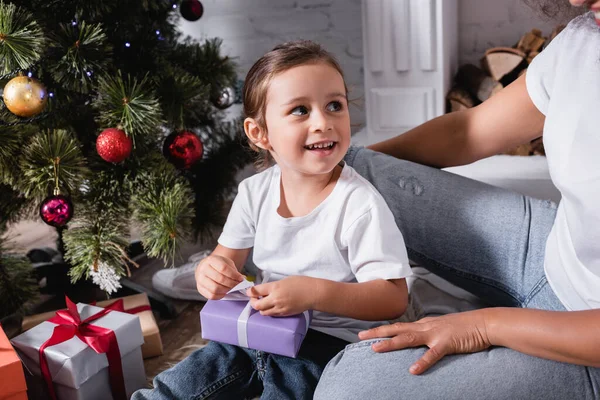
<point x="180" y="335"/>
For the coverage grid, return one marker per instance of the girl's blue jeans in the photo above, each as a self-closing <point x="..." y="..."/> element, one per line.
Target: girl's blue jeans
<point x="486" y="240"/>
<point x="223" y="371"/>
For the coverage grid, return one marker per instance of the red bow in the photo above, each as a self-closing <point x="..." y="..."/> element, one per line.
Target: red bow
<point x="120" y="306"/>
<point x="102" y="340"/>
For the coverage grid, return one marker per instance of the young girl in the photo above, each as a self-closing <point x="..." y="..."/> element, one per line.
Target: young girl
<point x="323" y="233"/>
<point x="536" y="263"/>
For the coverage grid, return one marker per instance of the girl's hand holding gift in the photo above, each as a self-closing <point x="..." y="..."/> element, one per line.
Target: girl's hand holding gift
<point x="216" y="275"/>
<point x="289" y="296"/>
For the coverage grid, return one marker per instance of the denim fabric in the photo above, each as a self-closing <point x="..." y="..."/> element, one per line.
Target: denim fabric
<point x="222" y="371"/>
<point x="486" y="240"/>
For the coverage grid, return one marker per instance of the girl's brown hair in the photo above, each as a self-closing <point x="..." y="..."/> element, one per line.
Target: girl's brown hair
<point x="282" y="58"/>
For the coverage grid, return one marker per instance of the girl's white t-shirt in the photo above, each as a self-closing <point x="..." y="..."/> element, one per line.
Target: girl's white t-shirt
<point x="563" y="82"/>
<point x="349" y="237"/>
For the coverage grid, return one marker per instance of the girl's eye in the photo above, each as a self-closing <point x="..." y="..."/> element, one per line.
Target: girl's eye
<point x="300" y="110"/>
<point x="334" y="106"/>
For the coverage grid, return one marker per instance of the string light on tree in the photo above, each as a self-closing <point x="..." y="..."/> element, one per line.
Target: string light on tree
<point x="191" y="10"/>
<point x="25" y="96"/>
<point x="113" y="145"/>
<point x="183" y="149"/>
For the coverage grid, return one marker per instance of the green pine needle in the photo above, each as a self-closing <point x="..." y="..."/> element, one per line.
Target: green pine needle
<point x="128" y="103"/>
<point x="17" y="283"/>
<point x="205" y="61"/>
<point x="85" y="53"/>
<point x="89" y="243"/>
<point x="21" y="39"/>
<point x="11" y="204"/>
<point x="163" y="208"/>
<point x="37" y="164"/>
<point x="98" y="233"/>
<point x="11" y="139"/>
<point x="182" y="95"/>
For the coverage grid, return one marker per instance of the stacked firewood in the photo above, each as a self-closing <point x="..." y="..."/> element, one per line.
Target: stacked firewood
<point x="499" y="67"/>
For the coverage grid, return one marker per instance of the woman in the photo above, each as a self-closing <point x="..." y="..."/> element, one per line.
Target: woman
<point x="535" y="263"/>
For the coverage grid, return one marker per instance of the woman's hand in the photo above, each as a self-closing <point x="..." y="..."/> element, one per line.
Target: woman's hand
<point x="216" y="275"/>
<point x="449" y="334"/>
<point x="289" y="296"/>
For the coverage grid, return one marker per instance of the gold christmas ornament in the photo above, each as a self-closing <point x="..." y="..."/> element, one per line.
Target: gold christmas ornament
<point x="25" y="96"/>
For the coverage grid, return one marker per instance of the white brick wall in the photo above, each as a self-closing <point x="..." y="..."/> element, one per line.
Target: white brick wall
<point x="489" y="23"/>
<point x="249" y="28"/>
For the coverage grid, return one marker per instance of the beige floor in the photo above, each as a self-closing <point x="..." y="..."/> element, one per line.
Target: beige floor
<point x="27" y="235"/>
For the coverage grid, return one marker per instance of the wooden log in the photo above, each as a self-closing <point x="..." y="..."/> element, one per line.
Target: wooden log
<point x="531" y="56"/>
<point x="520" y="150"/>
<point x="555" y="32"/>
<point x="500" y="61"/>
<point x="533" y="148"/>
<point x="537" y="147"/>
<point x="531" y="42"/>
<point x="477" y="82"/>
<point x="459" y="99"/>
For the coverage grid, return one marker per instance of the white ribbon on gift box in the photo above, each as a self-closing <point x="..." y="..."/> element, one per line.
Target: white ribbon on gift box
<point x="238" y="293"/>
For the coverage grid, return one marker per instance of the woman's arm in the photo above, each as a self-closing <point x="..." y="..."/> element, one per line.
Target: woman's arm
<point x="372" y="301"/>
<point x="562" y="336"/>
<point x="572" y="337"/>
<point x="507" y="119"/>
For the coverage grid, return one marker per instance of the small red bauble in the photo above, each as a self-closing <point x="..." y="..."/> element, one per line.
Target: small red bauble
<point x="183" y="149"/>
<point x="113" y="145"/>
<point x="56" y="210"/>
<point x="191" y="10"/>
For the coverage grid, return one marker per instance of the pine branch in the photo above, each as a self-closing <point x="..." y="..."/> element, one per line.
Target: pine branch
<point x="17" y="283"/>
<point x="81" y="9"/>
<point x="128" y="103"/>
<point x="37" y="164"/>
<point x="204" y="60"/>
<point x="214" y="179"/>
<point x="162" y="204"/>
<point x="21" y="39"/>
<point x="85" y="52"/>
<point x="90" y="243"/>
<point x="11" y="140"/>
<point x="182" y="96"/>
<point x="98" y="233"/>
<point x="11" y="204"/>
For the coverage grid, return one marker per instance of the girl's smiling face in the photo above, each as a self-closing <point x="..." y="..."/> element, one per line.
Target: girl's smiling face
<point x="307" y="119"/>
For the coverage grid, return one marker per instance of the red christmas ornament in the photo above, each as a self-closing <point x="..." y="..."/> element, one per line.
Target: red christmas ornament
<point x="191" y="10"/>
<point x="183" y="149"/>
<point x="56" y="210"/>
<point x="113" y="145"/>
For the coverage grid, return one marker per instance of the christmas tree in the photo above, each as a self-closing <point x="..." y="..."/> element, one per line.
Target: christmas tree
<point x="111" y="118"/>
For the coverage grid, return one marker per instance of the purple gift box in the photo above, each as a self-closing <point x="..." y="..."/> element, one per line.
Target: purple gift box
<point x="221" y="321"/>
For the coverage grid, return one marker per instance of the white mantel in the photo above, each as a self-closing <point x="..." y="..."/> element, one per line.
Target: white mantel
<point x="410" y="57"/>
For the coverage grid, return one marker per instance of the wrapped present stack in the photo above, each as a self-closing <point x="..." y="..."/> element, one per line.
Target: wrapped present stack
<point x="12" y="379"/>
<point x="137" y="305"/>
<point x="231" y="320"/>
<point x="85" y="353"/>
